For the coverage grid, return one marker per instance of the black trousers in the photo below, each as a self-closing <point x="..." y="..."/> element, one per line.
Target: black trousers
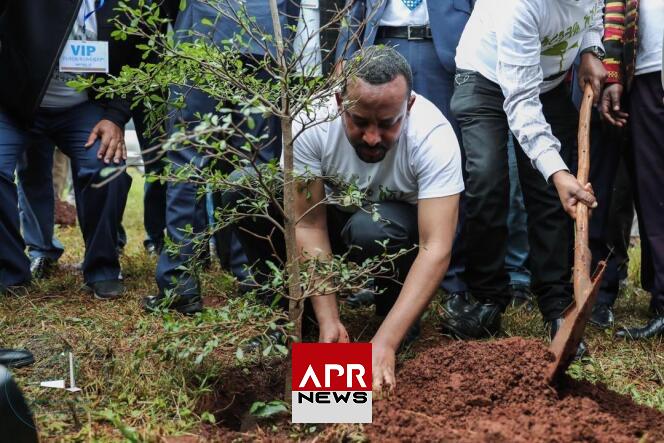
<point x="478" y="106"/>
<point x="355" y="232"/>
<point x="647" y="130"/>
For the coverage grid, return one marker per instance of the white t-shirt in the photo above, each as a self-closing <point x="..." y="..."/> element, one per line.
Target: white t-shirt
<point x="527" y="33"/>
<point x="426" y="162"/>
<point x="651" y="29"/>
<point x="397" y="14"/>
<point x="58" y="94"/>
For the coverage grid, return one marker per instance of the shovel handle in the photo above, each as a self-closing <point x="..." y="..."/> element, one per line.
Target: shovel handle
<point x="582" y="256"/>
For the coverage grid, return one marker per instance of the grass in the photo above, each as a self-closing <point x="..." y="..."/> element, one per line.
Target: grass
<point x="148" y="376"/>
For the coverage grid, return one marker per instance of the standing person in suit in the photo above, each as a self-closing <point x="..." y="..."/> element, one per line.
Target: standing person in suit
<point x="38" y="41"/>
<point x="183" y="207"/>
<point x="426" y="33"/>
<point x="633" y="41"/>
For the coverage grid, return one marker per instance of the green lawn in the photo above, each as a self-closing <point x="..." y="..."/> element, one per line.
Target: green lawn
<point x="147" y="376"/>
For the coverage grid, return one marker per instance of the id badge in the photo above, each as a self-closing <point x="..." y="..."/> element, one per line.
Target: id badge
<point x="84" y="56"/>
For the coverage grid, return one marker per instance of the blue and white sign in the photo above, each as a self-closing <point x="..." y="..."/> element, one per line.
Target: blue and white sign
<point x="84" y="56"/>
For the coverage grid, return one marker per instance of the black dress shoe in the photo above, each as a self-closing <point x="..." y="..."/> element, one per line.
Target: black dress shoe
<point x="581" y="351"/>
<point x="457" y="303"/>
<point x="520" y="295"/>
<point x="481" y="321"/>
<point x="16" y="358"/>
<point x="276" y="336"/>
<point x="363" y="297"/>
<point x="152" y="249"/>
<point x="184" y="304"/>
<point x="602" y="316"/>
<point x="41" y="267"/>
<point x="654" y="328"/>
<point x="106" y="289"/>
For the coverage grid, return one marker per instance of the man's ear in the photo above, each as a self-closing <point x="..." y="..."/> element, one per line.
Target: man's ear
<point x="340" y="100"/>
<point x="411" y="100"/>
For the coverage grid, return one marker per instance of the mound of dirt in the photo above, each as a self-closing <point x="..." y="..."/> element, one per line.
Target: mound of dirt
<point x="495" y="391"/>
<point x="65" y="214"/>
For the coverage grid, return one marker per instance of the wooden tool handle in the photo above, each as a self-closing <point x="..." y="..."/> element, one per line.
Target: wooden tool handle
<point x="582" y="256"/>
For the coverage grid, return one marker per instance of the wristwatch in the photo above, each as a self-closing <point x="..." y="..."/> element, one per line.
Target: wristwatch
<point x="597" y="51"/>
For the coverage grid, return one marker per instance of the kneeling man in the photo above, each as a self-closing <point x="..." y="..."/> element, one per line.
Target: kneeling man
<point x="397" y="147"/>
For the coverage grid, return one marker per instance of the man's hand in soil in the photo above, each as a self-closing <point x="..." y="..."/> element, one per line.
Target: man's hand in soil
<point x="571" y="192"/>
<point x="332" y="332"/>
<point x="382" y="368"/>
<point x="592" y="71"/>
<point x="610" y="105"/>
<point x="112" y="146"/>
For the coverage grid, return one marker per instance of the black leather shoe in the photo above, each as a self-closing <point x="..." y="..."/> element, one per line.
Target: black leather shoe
<point x="521" y="295"/>
<point x="654" y="328"/>
<point x="481" y="321"/>
<point x="457" y="303"/>
<point x="106" y="289"/>
<point x="152" y="249"/>
<point x="16" y="358"/>
<point x="602" y="316"/>
<point x="189" y="304"/>
<point x="581" y="351"/>
<point x="276" y="336"/>
<point x="363" y="297"/>
<point x="41" y="267"/>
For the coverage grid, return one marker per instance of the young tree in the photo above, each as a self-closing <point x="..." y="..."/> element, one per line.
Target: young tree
<point x="225" y="140"/>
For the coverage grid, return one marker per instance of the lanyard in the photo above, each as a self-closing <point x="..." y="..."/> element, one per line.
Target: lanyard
<point x="89" y="14"/>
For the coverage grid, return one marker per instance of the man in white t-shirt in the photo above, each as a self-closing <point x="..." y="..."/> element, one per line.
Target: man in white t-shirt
<point x="511" y="63"/>
<point x="397" y="147"/>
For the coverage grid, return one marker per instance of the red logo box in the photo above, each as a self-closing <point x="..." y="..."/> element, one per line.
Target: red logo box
<point x="331" y="382"/>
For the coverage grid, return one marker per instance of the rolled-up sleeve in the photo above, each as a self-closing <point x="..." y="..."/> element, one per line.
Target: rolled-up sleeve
<point x="520" y="86"/>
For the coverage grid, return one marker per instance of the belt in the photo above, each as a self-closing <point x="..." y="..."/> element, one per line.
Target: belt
<point x="420" y="32"/>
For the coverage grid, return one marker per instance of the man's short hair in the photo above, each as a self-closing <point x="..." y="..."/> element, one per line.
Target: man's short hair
<point x="377" y="65"/>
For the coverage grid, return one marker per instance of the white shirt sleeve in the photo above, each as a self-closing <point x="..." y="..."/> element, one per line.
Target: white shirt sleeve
<point x="307" y="154"/>
<point x="519" y="75"/>
<point x="520" y="86"/>
<point x="593" y="36"/>
<point x="436" y="164"/>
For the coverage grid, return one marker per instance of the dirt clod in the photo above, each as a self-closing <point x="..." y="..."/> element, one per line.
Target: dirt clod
<point x="65" y="214"/>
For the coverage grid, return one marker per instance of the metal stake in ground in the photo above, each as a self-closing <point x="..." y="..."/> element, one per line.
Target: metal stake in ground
<point x="567" y="340"/>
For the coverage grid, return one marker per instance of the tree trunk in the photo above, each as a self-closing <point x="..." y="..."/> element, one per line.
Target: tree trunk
<point x="295" y="305"/>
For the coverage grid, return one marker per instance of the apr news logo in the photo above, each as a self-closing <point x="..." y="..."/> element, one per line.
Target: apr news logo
<point x="331" y="383"/>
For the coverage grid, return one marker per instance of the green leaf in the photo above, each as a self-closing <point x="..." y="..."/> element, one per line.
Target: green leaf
<point x="239" y="354"/>
<point x="183" y="5"/>
<point x="264" y="410"/>
<point x="206" y="21"/>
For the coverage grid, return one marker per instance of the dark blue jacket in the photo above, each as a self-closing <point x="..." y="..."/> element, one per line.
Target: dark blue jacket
<point x="225" y="28"/>
<point x="447" y="19"/>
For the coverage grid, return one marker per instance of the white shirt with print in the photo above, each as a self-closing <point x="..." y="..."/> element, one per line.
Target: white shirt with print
<point x="527" y="47"/>
<point x="425" y="163"/>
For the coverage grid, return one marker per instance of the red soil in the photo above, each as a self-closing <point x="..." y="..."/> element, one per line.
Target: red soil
<point x="495" y="391"/>
<point x="65" y="214"/>
<point x="456" y="391"/>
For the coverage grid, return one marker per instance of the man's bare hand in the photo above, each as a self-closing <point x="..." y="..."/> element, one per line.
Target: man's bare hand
<point x="610" y="105"/>
<point x="112" y="145"/>
<point x="571" y="192"/>
<point x="382" y="368"/>
<point x="332" y="332"/>
<point x="592" y="71"/>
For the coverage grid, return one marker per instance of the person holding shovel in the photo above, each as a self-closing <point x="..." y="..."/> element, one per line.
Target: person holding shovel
<point x="511" y="61"/>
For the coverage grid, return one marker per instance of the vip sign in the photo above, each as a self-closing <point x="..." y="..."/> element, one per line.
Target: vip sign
<point x="331" y="383"/>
